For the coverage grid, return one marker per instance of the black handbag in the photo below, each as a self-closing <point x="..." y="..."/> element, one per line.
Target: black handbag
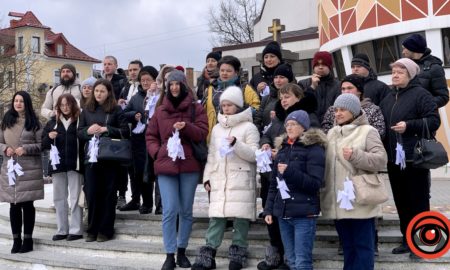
<point x="199" y="149"/>
<point x="428" y="152"/>
<point x="114" y="149"/>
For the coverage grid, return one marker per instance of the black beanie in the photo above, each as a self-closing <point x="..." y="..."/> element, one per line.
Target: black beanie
<point x="356" y="80"/>
<point x="361" y="59"/>
<point x="274" y="48"/>
<point x="148" y="70"/>
<point x="232" y="61"/>
<point x="71" y="68"/>
<point x="216" y="55"/>
<point x="415" y="43"/>
<point x="284" y="70"/>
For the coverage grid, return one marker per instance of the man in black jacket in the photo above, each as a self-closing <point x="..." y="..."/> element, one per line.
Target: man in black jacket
<point x="374" y="89"/>
<point x="130" y="88"/>
<point x="432" y="75"/>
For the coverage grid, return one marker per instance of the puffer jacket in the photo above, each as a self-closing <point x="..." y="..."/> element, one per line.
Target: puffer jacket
<point x="29" y="186"/>
<point x="374" y="89"/>
<point x="303" y="176"/>
<point x="160" y="129"/>
<point x="368" y="156"/>
<point x="409" y="104"/>
<point x="432" y="77"/>
<point x="233" y="177"/>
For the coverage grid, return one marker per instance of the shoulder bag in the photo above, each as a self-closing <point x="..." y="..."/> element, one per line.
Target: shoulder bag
<point x="370" y="189"/>
<point x="199" y="149"/>
<point x="428" y="152"/>
<point x="114" y="149"/>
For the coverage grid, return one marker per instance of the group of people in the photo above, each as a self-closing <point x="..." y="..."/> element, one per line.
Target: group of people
<point x="317" y="134"/>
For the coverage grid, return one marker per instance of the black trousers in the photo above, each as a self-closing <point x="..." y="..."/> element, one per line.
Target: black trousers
<point x="121" y="179"/>
<point x="151" y="182"/>
<point x="411" y="190"/>
<point x="22" y="211"/>
<point x="100" y="190"/>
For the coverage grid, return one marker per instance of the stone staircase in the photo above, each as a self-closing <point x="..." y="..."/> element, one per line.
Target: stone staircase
<point x="138" y="245"/>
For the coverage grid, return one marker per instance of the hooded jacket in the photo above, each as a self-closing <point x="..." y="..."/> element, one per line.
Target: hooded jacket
<point x="233" y="177"/>
<point x="53" y="94"/>
<point x="368" y="156"/>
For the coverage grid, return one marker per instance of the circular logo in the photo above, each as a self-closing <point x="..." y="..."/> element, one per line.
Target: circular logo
<point x="428" y="235"/>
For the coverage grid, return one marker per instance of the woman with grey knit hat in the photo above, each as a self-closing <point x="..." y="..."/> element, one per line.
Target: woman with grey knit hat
<point x="354" y="148"/>
<point x="405" y="111"/>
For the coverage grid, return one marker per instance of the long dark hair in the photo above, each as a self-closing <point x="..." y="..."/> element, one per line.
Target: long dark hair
<point x="110" y="102"/>
<point x="31" y="120"/>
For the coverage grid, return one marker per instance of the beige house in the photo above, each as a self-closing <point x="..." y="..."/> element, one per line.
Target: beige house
<point x="31" y="55"/>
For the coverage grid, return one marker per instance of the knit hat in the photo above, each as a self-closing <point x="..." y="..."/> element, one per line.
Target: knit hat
<point x="361" y="59"/>
<point x="323" y="57"/>
<point x="216" y="55"/>
<point x="176" y="75"/>
<point x="349" y="102"/>
<point x="89" y="81"/>
<point x="356" y="80"/>
<point x="274" y="48"/>
<point x="234" y="95"/>
<point x="409" y="64"/>
<point x="284" y="70"/>
<point x="230" y="60"/>
<point x="415" y="43"/>
<point x="180" y="68"/>
<point x="300" y="117"/>
<point x="71" y="67"/>
<point x="148" y="70"/>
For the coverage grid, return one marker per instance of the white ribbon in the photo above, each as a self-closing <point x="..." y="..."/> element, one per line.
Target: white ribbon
<point x="13" y="169"/>
<point x="346" y="196"/>
<point x="93" y="149"/>
<point x="123" y="105"/>
<point x="283" y="188"/>
<point x="174" y="148"/>
<point x="400" y="156"/>
<point x="263" y="160"/>
<point x="54" y="156"/>
<point x="266" y="128"/>
<point x="139" y="128"/>
<point x="265" y="92"/>
<point x="151" y="105"/>
<point x="225" y="149"/>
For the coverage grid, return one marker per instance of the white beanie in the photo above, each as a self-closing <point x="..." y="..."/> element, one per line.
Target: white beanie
<point x="234" y="95"/>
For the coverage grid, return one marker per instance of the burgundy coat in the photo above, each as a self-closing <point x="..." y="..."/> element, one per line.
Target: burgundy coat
<point x="160" y="129"/>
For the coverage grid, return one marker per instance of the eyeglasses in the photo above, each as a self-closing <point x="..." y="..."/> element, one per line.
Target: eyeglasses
<point x="291" y="125"/>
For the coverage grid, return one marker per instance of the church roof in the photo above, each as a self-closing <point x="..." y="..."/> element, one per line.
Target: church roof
<point x="51" y="39"/>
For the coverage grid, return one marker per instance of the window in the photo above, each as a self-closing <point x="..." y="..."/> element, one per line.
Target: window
<point x="35" y="44"/>
<point x="446" y="45"/>
<point x="59" y="49"/>
<point x="10" y="79"/>
<point x="56" y="75"/>
<point x="339" y="64"/>
<point x="386" y="52"/>
<point x="20" y="44"/>
<point x="302" y="68"/>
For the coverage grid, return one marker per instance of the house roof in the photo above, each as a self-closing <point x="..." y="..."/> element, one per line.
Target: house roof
<point x="28" y="19"/>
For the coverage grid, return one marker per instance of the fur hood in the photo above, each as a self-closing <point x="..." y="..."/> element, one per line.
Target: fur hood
<point x="309" y="137"/>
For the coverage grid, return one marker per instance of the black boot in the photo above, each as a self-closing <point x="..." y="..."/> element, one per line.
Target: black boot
<point x="402" y="249"/>
<point x="238" y="257"/>
<point x="182" y="260"/>
<point x="169" y="263"/>
<point x="17" y="244"/>
<point x="206" y="259"/>
<point x="272" y="259"/>
<point x="376" y="243"/>
<point x="27" y="244"/>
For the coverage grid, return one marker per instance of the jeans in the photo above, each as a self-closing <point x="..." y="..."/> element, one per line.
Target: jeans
<point x="357" y="236"/>
<point x="177" y="194"/>
<point x="298" y="240"/>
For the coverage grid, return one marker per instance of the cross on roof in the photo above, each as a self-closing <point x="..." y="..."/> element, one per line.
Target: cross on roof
<point x="276" y="29"/>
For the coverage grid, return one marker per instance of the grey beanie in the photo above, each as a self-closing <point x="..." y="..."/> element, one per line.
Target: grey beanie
<point x="349" y="102"/>
<point x="89" y="81"/>
<point x="300" y="117"/>
<point x="176" y="75"/>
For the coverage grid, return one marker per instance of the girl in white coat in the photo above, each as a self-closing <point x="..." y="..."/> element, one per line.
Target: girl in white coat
<point x="230" y="176"/>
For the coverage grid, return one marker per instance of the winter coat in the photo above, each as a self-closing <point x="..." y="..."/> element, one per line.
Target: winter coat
<point x="368" y="156"/>
<point x="126" y="89"/>
<point x="327" y="91"/>
<point x="114" y="121"/>
<point x="251" y="99"/>
<point x="432" y="77"/>
<point x="233" y="177"/>
<point x="29" y="186"/>
<point x="409" y="104"/>
<point x="373" y="113"/>
<point x="262" y="117"/>
<point x="308" y="103"/>
<point x="265" y="75"/>
<point x="53" y="94"/>
<point x="160" y="129"/>
<point x="203" y="82"/>
<point x="374" y="89"/>
<point x="303" y="176"/>
<point x="67" y="143"/>
<point x="118" y="83"/>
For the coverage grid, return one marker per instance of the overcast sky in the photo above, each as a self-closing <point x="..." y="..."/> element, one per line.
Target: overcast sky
<point x="154" y="31"/>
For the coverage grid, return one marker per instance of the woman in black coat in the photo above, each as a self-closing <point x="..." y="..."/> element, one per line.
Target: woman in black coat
<point x="404" y="110"/>
<point x="101" y="117"/>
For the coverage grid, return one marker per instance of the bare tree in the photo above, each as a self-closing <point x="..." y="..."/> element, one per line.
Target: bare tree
<point x="232" y="21"/>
